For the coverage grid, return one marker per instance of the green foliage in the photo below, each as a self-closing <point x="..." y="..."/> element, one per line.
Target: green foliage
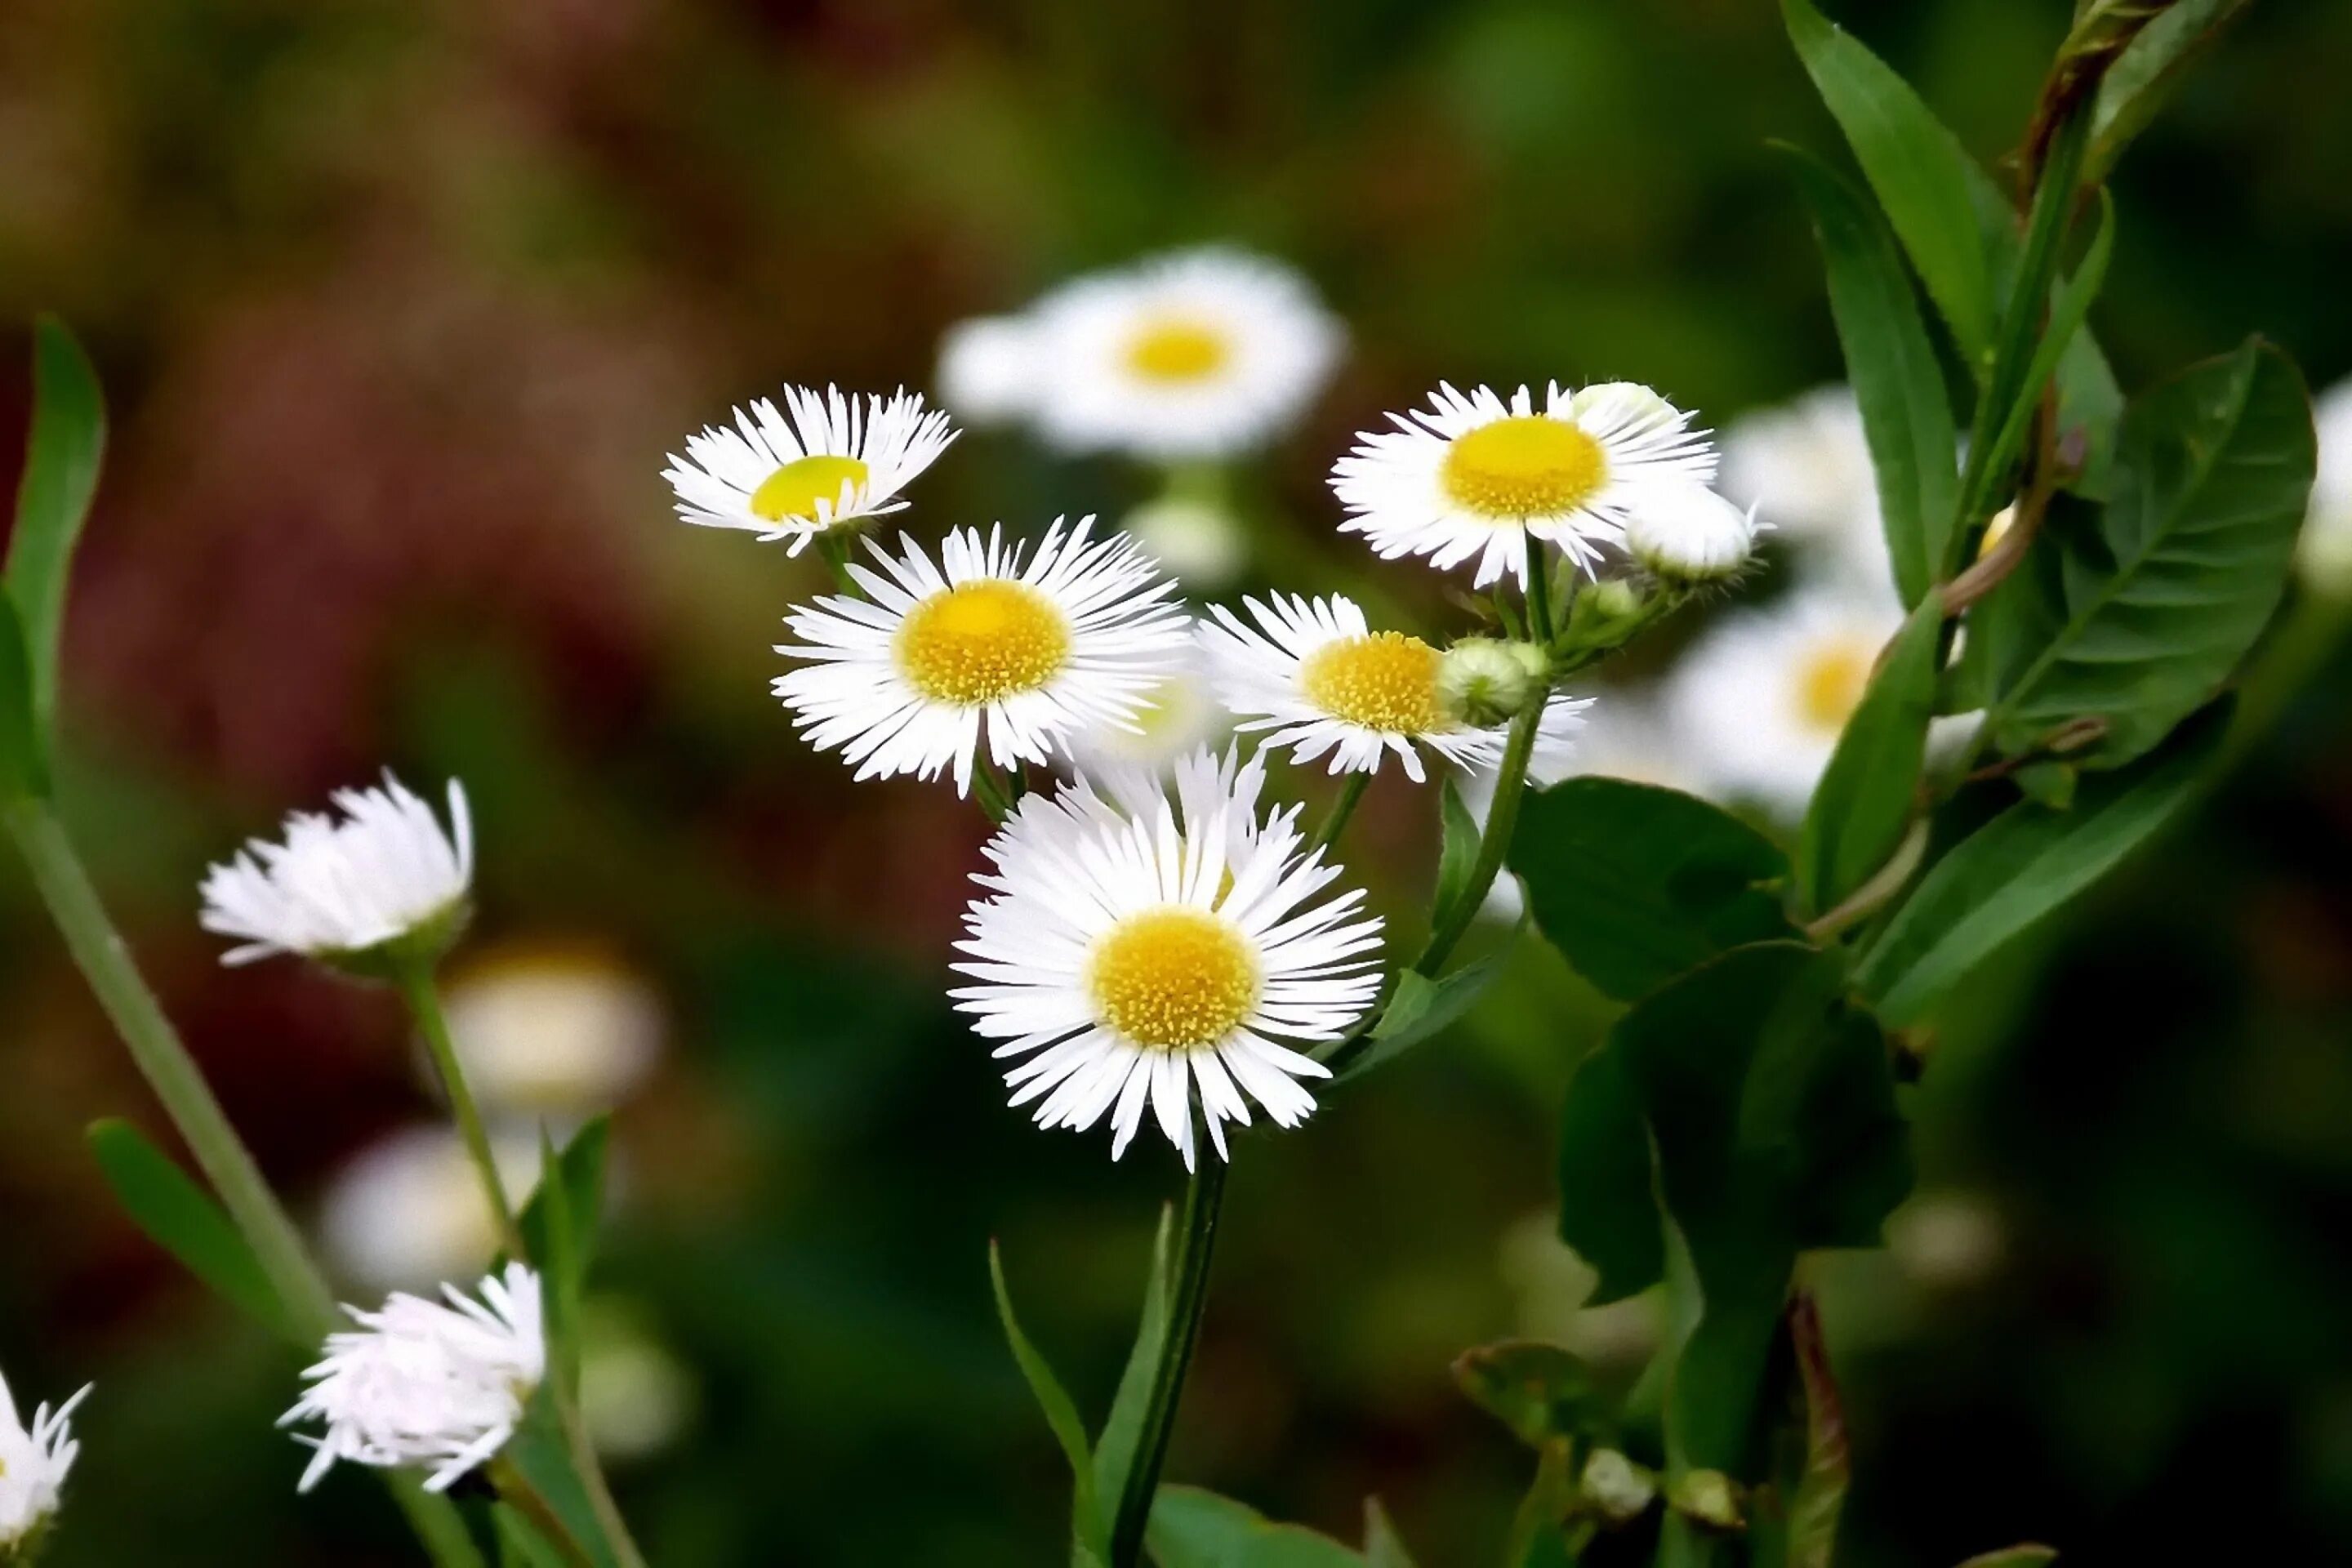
<point x="1383" y="1547"/>
<point x="2068" y="306"/>
<point x="2013" y="872"/>
<point x="1541" y="1392"/>
<point x="1816" y="1495"/>
<point x="2025" y="1556"/>
<point x="1458" y="845"/>
<point x="2131" y="615"/>
<point x="539" y="1455"/>
<point x="1906" y="414"/>
<point x="1090" y="1539"/>
<point x="1636" y="884"/>
<point x="180" y="1217"/>
<point x="1123" y="1429"/>
<point x="521" y="1544"/>
<point x="1196" y="1529"/>
<point x="61" y="462"/>
<point x="1419" y="1008"/>
<point x="2150" y="67"/>
<point x="559" y="1226"/>
<point x="1867" y="796"/>
<point x="1607" y="1214"/>
<point x="23" y="770"/>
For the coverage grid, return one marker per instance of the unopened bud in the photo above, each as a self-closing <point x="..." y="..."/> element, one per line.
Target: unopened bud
<point x="1688" y="534"/>
<point x="1614" y="599"/>
<point x="1618" y="1489"/>
<point x="1483" y="681"/>
<point x="1709" y="1497"/>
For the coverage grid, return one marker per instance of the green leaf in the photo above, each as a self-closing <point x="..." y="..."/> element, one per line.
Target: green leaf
<point x="23" y="770"/>
<point x="2133" y="614"/>
<point x="1061" y="1415"/>
<point x="1869" y="792"/>
<point x="180" y="1217"/>
<point x="1535" y="1539"/>
<point x="1999" y="882"/>
<point x="61" y="461"/>
<point x="1925" y="180"/>
<point x="1636" y="884"/>
<point x="1541" y="1392"/>
<point x="559" y="1222"/>
<point x="1195" y="1529"/>
<point x="1383" y="1547"/>
<point x="1123" y="1429"/>
<point x="1421" y="1008"/>
<point x="1457" y="846"/>
<point x="2025" y="1556"/>
<point x="2147" y="72"/>
<point x="1608" y="1210"/>
<point x="520" y="1544"/>
<point x="539" y="1454"/>
<point x="1906" y="414"/>
<point x="2069" y="305"/>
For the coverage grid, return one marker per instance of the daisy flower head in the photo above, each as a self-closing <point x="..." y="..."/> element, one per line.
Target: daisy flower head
<point x="1690" y="536"/>
<point x="1198" y="354"/>
<point x="1472" y="478"/>
<point x="378" y="877"/>
<point x="34" y="1463"/>
<point x="439" y="1384"/>
<point x="1159" y="950"/>
<point x="1805" y="466"/>
<point x="1313" y="677"/>
<point x="824" y="460"/>
<point x="994" y="646"/>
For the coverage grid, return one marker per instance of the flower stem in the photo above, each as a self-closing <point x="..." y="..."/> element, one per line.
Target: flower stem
<point x="1204" y="1199"/>
<point x="1327" y="832"/>
<point x="104" y="959"/>
<point x="1509" y="786"/>
<point x="423" y="995"/>
<point x="515" y="1490"/>
<point x="1540" y="627"/>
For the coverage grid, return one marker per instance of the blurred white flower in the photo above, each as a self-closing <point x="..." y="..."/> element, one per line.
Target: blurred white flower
<point x="420" y="1383"/>
<point x="1180" y="715"/>
<point x="1133" y="960"/>
<point x="989" y="370"/>
<point x="560" y="1031"/>
<point x="1947" y="1239"/>
<point x="2323" y="552"/>
<point x="1805" y="469"/>
<point x="835" y="460"/>
<point x="340" y="889"/>
<point x="1470" y="477"/>
<point x="1198" y="354"/>
<point x="34" y="1463"/>
<point x="995" y="646"/>
<point x="409" y="1211"/>
<point x="1689" y="534"/>
<point x="1202" y="544"/>
<point x="635" y="1397"/>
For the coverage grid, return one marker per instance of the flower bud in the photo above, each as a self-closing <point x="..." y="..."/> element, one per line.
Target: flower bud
<point x="1708" y="1497"/>
<point x="1483" y="681"/>
<point x="1619" y="1489"/>
<point x="1689" y="534"/>
<point x="1614" y="599"/>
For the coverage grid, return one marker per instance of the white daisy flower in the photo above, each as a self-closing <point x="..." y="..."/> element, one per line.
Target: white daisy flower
<point x="1690" y="535"/>
<point x="1804" y="466"/>
<point x="833" y="460"/>
<point x="1199" y="354"/>
<point x="338" y="891"/>
<point x="34" y="1462"/>
<point x="1472" y="478"/>
<point x="1155" y="951"/>
<point x="2323" y="552"/>
<point x="1316" y="677"/>
<point x="1179" y="716"/>
<point x="422" y="1383"/>
<point x="989" y="369"/>
<point x="546" y="1029"/>
<point x="994" y="645"/>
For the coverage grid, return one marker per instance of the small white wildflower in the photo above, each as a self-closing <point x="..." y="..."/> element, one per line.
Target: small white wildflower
<point x="34" y="1463"/>
<point x="835" y="460"/>
<point x="1689" y="534"/>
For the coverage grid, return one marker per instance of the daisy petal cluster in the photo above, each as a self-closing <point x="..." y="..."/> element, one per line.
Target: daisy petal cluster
<point x="994" y="647"/>
<point x="378" y="870"/>
<point x="2324" y="554"/>
<point x="824" y="460"/>
<point x="34" y="1463"/>
<point x="1157" y="951"/>
<point x="428" y="1384"/>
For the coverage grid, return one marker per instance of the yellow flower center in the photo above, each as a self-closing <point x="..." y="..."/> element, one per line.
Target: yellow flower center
<point x="794" y="490"/>
<point x="1177" y="350"/>
<point x="981" y="642"/>
<point x="1174" y="979"/>
<point x="1386" y="681"/>
<point x="1527" y="466"/>
<point x="1829" y="682"/>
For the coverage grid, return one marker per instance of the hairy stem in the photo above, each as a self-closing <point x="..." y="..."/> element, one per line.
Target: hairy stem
<point x="1204" y="1199"/>
<point x="418" y="989"/>
<point x="1493" y="844"/>
<point x="1327" y="832"/>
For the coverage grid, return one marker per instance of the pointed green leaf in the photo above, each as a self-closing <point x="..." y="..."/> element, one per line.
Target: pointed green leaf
<point x="1906" y="414"/>
<point x="61" y="461"/>
<point x="1123" y="1430"/>
<point x="1458" y="845"/>
<point x="23" y="770"/>
<point x="180" y="1217"/>
<point x="520" y="1544"/>
<point x="2002" y="880"/>
<point x="559" y="1222"/>
<point x="1635" y="884"/>
<point x="1608" y="1207"/>
<point x="539" y="1453"/>
<point x="1421" y="1008"/>
<point x="2069" y="305"/>
<point x="1383" y="1547"/>
<point x="1541" y="1392"/>
<point x="1061" y="1414"/>
<point x="2147" y="72"/>
<point x="1195" y="1529"/>
<point x="1869" y="792"/>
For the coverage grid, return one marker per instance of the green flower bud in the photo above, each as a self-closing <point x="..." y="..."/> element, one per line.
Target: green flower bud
<point x="1483" y="681"/>
<point x="1708" y="1497"/>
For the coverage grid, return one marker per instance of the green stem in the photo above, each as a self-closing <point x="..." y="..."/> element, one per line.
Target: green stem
<point x="515" y="1489"/>
<point x="1509" y="786"/>
<point x="989" y="790"/>
<point x="104" y="959"/>
<point x="416" y="985"/>
<point x="1204" y="1199"/>
<point x="834" y="545"/>
<point x="585" y="1463"/>
<point x="1327" y="832"/>
<point x="1539" y="627"/>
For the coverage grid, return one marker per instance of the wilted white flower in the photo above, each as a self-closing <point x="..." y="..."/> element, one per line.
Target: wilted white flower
<point x="1203" y="545"/>
<point x="34" y="1462"/>
<point x="1199" y="354"/>
<point x="833" y="460"/>
<point x="985" y="649"/>
<point x="427" y="1383"/>
<point x="409" y="1211"/>
<point x="556" y="1030"/>
<point x="1142" y="947"/>
<point x="1315" y="675"/>
<point x="1472" y="478"/>
<point x="2323" y="552"/>
<point x="989" y="369"/>
<point x="339" y="890"/>
<point x="1689" y="534"/>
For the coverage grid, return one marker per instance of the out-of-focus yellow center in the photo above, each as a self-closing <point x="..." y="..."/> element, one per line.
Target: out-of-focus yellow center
<point x="1525" y="466"/>
<point x="980" y="642"/>
<point x="1386" y="681"/>
<point x="794" y="490"/>
<point x="1178" y="350"/>
<point x="1829" y="682"/>
<point x="1174" y="979"/>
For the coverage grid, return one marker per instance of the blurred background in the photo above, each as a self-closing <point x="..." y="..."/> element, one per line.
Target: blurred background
<point x="400" y="303"/>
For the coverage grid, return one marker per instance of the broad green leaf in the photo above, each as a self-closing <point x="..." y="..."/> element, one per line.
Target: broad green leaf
<point x="2134" y="614"/>
<point x="1636" y="884"/>
<point x="61" y="460"/>
<point x="1383" y="1547"/>
<point x="1999" y="882"/>
<point x="1123" y="1429"/>
<point x="180" y="1217"/>
<point x="2025" y="1556"/>
<point x="1541" y="1392"/>
<point x="23" y="770"/>
<point x="1061" y="1414"/>
<point x="1869" y="792"/>
<point x="1925" y="180"/>
<point x="1458" y="845"/>
<point x="520" y="1543"/>
<point x="1608" y="1208"/>
<point x="1421" y="1008"/>
<point x="1195" y="1529"/>
<point x="1906" y="414"/>
<point x="2148" y="69"/>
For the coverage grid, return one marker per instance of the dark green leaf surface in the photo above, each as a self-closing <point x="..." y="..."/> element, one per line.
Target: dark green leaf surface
<point x="2143" y="76"/>
<point x="1422" y="1008"/>
<point x="559" y="1222"/>
<point x="1608" y="1214"/>
<point x="2026" y="1556"/>
<point x="1061" y="1414"/>
<point x="1123" y="1429"/>
<point x="61" y="462"/>
<point x="1636" y="884"/>
<point x="520" y="1544"/>
<point x="1196" y="1529"/>
<point x="180" y="1217"/>
<point x="21" y="770"/>
<point x="1458" y="845"/>
<point x="1867" y="794"/>
<point x="539" y="1452"/>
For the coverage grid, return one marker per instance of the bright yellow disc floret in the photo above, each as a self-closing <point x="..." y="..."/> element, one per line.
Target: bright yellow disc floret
<point x="981" y="642"/>
<point x="1525" y="466"/>
<point x="1174" y="979"/>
